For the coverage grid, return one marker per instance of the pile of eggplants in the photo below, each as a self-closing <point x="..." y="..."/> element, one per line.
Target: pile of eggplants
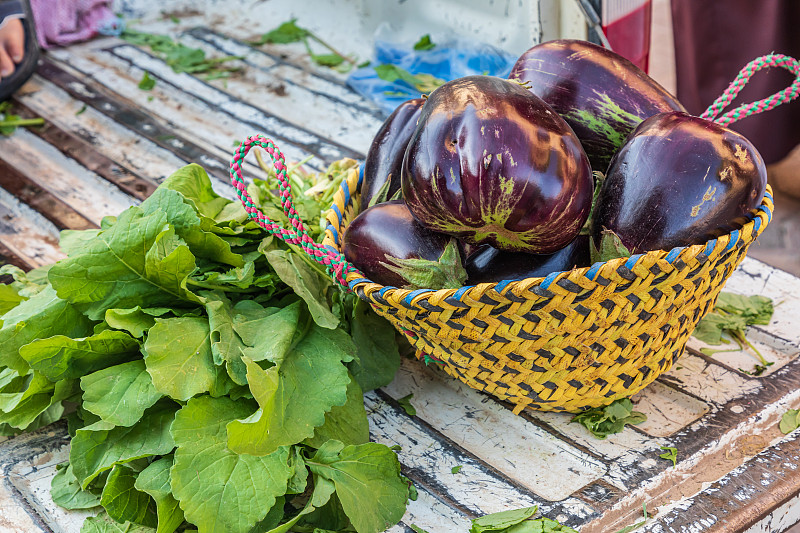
<point x="505" y="171"/>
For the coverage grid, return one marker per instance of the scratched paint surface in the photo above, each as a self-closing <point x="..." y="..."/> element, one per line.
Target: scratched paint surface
<point x="717" y="417"/>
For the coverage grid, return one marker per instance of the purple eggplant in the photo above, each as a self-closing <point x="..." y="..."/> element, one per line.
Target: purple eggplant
<point x="490" y="265"/>
<point x="600" y="94"/>
<point x="385" y="155"/>
<point x="491" y="163"/>
<point x="385" y="231"/>
<point x="678" y="180"/>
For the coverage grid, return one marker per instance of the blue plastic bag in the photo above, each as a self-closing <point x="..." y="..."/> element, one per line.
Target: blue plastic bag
<point x="451" y="59"/>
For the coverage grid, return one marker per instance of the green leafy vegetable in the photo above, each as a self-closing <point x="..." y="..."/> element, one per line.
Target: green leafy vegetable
<point x="671" y="454"/>
<point x="290" y="32"/>
<point x="422" y="82"/>
<point x="179" y="56"/>
<point x="405" y="403"/>
<point x="367" y="482"/>
<point x="456" y="469"/>
<point x="612" y="418"/>
<point x="218" y="489"/>
<point x="517" y="521"/>
<point x="424" y="43"/>
<point x="729" y="319"/>
<point x="147" y="83"/>
<point x="184" y="305"/>
<point x="790" y="421"/>
<point x="287" y="32"/>
<point x="9" y="123"/>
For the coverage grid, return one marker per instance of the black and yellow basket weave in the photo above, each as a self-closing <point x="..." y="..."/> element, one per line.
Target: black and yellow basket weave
<point x="570" y="341"/>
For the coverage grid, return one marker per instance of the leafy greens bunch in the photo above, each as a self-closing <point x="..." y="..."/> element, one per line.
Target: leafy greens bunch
<point x="213" y="375"/>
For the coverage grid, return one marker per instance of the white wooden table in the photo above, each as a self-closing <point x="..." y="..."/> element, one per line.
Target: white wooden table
<point x="106" y="146"/>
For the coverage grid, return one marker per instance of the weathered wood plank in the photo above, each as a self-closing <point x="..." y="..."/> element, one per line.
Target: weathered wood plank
<point x="522" y="451"/>
<point x="27" y="235"/>
<point x="64" y="179"/>
<point x="85" y="154"/>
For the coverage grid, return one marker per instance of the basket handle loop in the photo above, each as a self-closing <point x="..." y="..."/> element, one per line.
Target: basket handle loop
<point x="335" y="263"/>
<point x="745" y="110"/>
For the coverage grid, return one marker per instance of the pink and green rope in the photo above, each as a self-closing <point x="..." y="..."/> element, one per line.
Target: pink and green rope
<point x="745" y="110"/>
<point x="337" y="266"/>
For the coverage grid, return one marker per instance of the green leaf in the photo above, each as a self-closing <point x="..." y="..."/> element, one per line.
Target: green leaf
<point x="43" y="315"/>
<point x="268" y="333"/>
<point x="38" y="399"/>
<point x="155" y="481"/>
<point x="323" y="490"/>
<point x="66" y="491"/>
<point x="611" y="247"/>
<point x="755" y="309"/>
<point x="299" y="478"/>
<point x="113" y="272"/>
<point x="9" y="298"/>
<point x="347" y="423"/>
<point x="377" y="355"/>
<point x="405" y="403"/>
<point x="417" y="529"/>
<point x="120" y="394"/>
<point x="309" y="284"/>
<point x="294" y="396"/>
<point x="327" y="60"/>
<point x="368" y="483"/>
<point x="147" y="83"/>
<point x="711" y="327"/>
<point x="288" y="32"/>
<point x="456" y="469"/>
<point x="61" y="357"/>
<point x="194" y="186"/>
<point x="136" y="320"/>
<point x="177" y="353"/>
<point x="447" y="272"/>
<point x="219" y="490"/>
<point x="105" y="524"/>
<point x="100" y="446"/>
<point x="612" y="418"/>
<point x="422" y="82"/>
<point x="424" y="43"/>
<point x="123" y="502"/>
<point x="790" y="421"/>
<point x="227" y="346"/>
<point x="501" y="520"/>
<point x="671" y="454"/>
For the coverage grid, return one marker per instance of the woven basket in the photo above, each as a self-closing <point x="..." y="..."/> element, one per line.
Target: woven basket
<point x="570" y="341"/>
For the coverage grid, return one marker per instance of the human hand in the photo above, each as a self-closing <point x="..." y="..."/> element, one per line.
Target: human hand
<point x="12" y="46"/>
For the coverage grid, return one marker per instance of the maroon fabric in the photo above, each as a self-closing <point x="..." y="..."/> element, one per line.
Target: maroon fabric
<point x="714" y="39"/>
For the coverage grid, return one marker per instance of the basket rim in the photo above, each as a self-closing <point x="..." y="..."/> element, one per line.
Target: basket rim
<point x="757" y="221"/>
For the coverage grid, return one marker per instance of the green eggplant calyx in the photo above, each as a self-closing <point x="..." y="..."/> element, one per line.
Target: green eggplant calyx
<point x="611" y="247"/>
<point x="447" y="272"/>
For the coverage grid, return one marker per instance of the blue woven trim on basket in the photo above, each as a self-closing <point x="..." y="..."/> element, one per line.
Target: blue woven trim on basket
<point x="335" y="233"/>
<point x="673" y="254"/>
<point x="332" y="249"/>
<point x="710" y="246"/>
<point x="460" y="292"/>
<point x="632" y="260"/>
<point x="767" y="211"/>
<point x="360" y="176"/>
<point x="756" y="225"/>
<point x="501" y="286"/>
<point x="734" y="239"/>
<point x="769" y="195"/>
<point x="338" y="213"/>
<point x="549" y="280"/>
<point x="358" y="281"/>
<point x="592" y="272"/>
<point x="414" y="294"/>
<point x="346" y="190"/>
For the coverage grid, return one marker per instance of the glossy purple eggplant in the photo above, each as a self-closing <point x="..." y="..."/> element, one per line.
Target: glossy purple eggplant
<point x="385" y="155"/>
<point x="600" y="94"/>
<point x="492" y="163"/>
<point x="388" y="230"/>
<point x="678" y="180"/>
<point x="490" y="265"/>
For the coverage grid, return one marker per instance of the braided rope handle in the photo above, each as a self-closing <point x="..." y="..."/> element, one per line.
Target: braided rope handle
<point x="745" y="110"/>
<point x="336" y="265"/>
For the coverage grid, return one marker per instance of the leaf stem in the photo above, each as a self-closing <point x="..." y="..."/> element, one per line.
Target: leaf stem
<point x="21" y="122"/>
<point x="215" y="286"/>
<point x="329" y="47"/>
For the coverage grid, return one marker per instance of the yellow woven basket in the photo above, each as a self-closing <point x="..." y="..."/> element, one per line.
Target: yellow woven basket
<point x="570" y="341"/>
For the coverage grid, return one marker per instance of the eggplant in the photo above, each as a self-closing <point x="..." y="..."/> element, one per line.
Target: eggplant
<point x="678" y="180"/>
<point x="491" y="163"/>
<point x="490" y="265"/>
<point x="385" y="231"/>
<point x="600" y="94"/>
<point x="385" y="155"/>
